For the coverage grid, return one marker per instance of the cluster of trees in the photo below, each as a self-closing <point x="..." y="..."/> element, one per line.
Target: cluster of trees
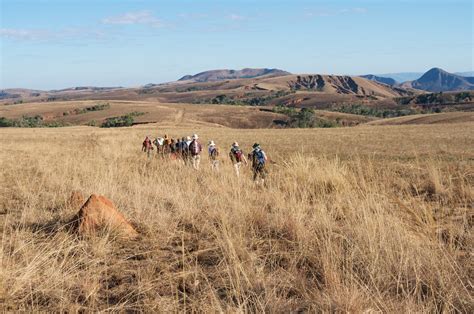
<point x="97" y="107"/>
<point x="246" y="101"/>
<point x="121" y="121"/>
<point x="374" y="112"/>
<point x="29" y="122"/>
<point x="436" y="98"/>
<point x="303" y="118"/>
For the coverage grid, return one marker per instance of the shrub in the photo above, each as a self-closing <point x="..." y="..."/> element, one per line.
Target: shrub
<point x="304" y="118"/>
<point x="30" y="122"/>
<point x="5" y="122"/>
<point x="125" y="120"/>
<point x="97" y="107"/>
<point x="372" y="111"/>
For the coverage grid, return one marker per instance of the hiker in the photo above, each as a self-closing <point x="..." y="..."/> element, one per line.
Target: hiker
<point x="187" y="155"/>
<point x="166" y="144"/>
<point x="159" y="144"/>
<point x="213" y="152"/>
<point x="183" y="150"/>
<point x="177" y="147"/>
<point x="259" y="160"/>
<point x="237" y="157"/>
<point x="147" y="146"/>
<point x="172" y="146"/>
<point x="195" y="149"/>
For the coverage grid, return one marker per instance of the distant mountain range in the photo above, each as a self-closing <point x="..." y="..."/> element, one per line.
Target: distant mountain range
<point x="435" y="80"/>
<point x="438" y="80"/>
<point x="412" y="76"/>
<point x="219" y="75"/>
<point x="386" y="80"/>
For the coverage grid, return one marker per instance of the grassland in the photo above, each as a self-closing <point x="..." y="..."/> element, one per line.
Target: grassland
<point x="371" y="218"/>
<point x="152" y="112"/>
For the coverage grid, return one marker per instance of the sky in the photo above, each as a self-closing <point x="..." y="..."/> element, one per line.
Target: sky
<point x="52" y="44"/>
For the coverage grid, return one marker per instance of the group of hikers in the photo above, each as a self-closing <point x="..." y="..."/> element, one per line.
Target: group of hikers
<point x="188" y="149"/>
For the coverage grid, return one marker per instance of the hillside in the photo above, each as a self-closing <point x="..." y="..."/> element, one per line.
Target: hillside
<point x="220" y="75"/>
<point x="335" y="84"/>
<point x="437" y="118"/>
<point x="380" y="79"/>
<point x="311" y="90"/>
<point x="93" y="113"/>
<point x="438" y="80"/>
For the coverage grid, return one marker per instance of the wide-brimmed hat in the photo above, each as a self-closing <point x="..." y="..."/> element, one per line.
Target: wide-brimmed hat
<point x="256" y="145"/>
<point x="195" y="136"/>
<point x="235" y="144"/>
<point x="211" y="143"/>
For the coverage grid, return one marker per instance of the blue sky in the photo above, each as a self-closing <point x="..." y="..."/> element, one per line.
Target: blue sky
<point x="49" y="44"/>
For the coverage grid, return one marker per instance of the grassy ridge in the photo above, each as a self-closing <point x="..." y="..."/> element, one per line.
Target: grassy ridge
<point x="367" y="218"/>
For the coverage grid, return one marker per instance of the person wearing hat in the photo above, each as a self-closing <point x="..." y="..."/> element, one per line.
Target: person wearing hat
<point x="237" y="157"/>
<point x="213" y="152"/>
<point x="166" y="144"/>
<point x="195" y="149"/>
<point x="259" y="160"/>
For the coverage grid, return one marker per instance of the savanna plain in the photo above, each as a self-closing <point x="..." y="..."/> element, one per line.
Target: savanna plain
<point x="369" y="218"/>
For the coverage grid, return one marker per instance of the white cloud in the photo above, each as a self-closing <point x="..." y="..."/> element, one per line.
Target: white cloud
<point x="236" y="17"/>
<point x="23" y="34"/>
<point x="132" y="18"/>
<point x="47" y="35"/>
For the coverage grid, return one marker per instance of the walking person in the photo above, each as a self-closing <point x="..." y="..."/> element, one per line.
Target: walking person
<point x="166" y="144"/>
<point x="213" y="152"/>
<point x="188" y="153"/>
<point x="147" y="146"/>
<point x="237" y="157"/>
<point x="259" y="160"/>
<point x="184" y="150"/>
<point x="159" y="145"/>
<point x="195" y="149"/>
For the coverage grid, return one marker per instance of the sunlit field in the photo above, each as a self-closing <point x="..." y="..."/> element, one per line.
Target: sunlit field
<point x="370" y="218"/>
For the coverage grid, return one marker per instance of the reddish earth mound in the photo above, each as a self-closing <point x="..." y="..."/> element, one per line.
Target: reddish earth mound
<point x="99" y="212"/>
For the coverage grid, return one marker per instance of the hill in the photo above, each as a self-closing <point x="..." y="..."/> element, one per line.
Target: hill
<point x="220" y="75"/>
<point x="437" y="118"/>
<point x="94" y="113"/>
<point x="438" y="80"/>
<point x="309" y="90"/>
<point x="380" y="79"/>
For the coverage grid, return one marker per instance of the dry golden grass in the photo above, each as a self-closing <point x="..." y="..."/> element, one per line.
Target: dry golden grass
<point x="357" y="219"/>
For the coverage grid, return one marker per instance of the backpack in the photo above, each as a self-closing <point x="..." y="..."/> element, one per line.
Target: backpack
<point x="259" y="157"/>
<point x="194" y="148"/>
<point x="214" y="152"/>
<point x="238" y="154"/>
<point x="184" y="147"/>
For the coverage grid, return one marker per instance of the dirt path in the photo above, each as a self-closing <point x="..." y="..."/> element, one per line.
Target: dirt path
<point x="179" y="118"/>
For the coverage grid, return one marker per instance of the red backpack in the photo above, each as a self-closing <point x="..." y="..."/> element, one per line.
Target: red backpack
<point x="238" y="155"/>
